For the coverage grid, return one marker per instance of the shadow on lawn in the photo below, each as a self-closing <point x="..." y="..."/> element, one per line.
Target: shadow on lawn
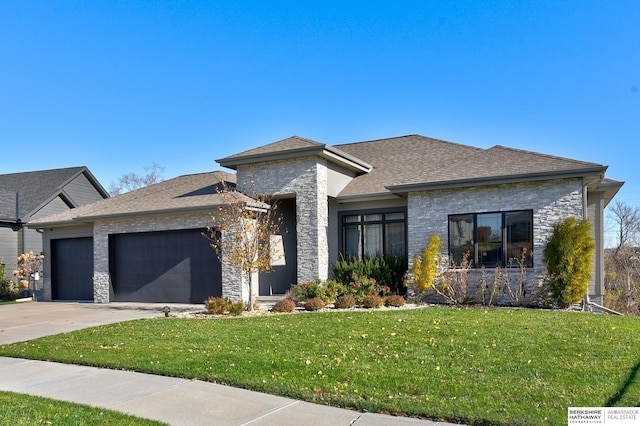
<point x="623" y="389"/>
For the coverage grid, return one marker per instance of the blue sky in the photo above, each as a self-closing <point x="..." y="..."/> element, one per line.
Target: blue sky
<point x="119" y="85"/>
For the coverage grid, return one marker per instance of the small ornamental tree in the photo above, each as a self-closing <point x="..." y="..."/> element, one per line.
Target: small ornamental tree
<point x="240" y="233"/>
<point x="29" y="268"/>
<point x="425" y="266"/>
<point x="568" y="257"/>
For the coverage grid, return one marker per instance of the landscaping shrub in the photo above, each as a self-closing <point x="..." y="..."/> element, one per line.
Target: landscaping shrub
<point x="568" y="257"/>
<point x="217" y="305"/>
<point x="345" y="301"/>
<point x="314" y="304"/>
<point x="389" y="271"/>
<point x="236" y="307"/>
<point x="453" y="285"/>
<point x="326" y="290"/>
<point x="372" y="301"/>
<point x="395" y="300"/>
<point x="285" y="305"/>
<point x="425" y="266"/>
<point x="8" y="288"/>
<point x="361" y="286"/>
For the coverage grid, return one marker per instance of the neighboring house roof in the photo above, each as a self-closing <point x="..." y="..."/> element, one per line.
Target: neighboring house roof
<point x="295" y="147"/>
<point x="7" y="206"/>
<point x="196" y="193"/>
<point x="35" y="189"/>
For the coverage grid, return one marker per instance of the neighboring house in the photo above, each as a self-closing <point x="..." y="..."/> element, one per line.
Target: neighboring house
<point x="31" y="195"/>
<point x="369" y="198"/>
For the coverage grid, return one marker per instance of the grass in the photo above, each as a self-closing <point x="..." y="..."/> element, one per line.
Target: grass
<point x="475" y="366"/>
<point x="18" y="409"/>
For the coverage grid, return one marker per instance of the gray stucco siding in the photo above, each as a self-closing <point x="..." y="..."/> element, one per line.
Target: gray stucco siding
<point x="8" y="248"/>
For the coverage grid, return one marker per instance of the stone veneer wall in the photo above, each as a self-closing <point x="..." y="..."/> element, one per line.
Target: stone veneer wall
<point x="103" y="229"/>
<point x="306" y="178"/>
<point x="550" y="201"/>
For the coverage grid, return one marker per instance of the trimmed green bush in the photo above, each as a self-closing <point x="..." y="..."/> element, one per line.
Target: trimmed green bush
<point x="568" y="257"/>
<point x="389" y="271"/>
<point x="285" y="305"/>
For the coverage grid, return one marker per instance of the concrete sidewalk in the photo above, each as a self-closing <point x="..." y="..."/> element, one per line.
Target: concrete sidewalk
<point x="176" y="401"/>
<point x="171" y="400"/>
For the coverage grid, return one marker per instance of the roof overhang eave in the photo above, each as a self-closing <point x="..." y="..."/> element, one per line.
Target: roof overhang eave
<point x="57" y="224"/>
<point x="593" y="172"/>
<point x="610" y="188"/>
<point x="379" y="196"/>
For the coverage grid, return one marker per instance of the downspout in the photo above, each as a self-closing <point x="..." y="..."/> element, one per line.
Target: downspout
<point x="19" y="224"/>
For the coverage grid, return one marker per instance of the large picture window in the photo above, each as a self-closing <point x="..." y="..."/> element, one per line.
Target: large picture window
<point x="492" y="239"/>
<point x="372" y="234"/>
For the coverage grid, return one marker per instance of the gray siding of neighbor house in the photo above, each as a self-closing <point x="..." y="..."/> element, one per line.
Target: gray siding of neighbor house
<point x="306" y="178"/>
<point x="81" y="191"/>
<point x="8" y="248"/>
<point x="550" y="201"/>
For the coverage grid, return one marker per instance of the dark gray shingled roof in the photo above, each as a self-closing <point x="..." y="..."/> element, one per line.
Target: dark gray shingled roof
<point x="398" y="164"/>
<point x="415" y="161"/>
<point x="295" y="147"/>
<point x="184" y="194"/>
<point x="399" y="160"/>
<point x="36" y="188"/>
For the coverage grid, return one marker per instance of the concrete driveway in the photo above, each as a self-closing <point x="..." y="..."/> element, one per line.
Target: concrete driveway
<point x="30" y="320"/>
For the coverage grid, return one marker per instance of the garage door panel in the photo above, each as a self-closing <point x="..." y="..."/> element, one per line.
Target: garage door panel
<point x="72" y="269"/>
<point x="170" y="267"/>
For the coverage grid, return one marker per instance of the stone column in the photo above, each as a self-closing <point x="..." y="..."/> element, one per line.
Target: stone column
<point x="312" y="214"/>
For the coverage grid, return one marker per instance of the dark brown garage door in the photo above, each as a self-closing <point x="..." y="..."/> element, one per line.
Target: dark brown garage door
<point x="163" y="267"/>
<point x="72" y="269"/>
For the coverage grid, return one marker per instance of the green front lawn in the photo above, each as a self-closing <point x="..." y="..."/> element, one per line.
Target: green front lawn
<point x="476" y="366"/>
<point x="18" y="409"/>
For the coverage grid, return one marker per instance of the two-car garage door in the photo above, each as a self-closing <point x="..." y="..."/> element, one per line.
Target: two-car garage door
<point x="152" y="267"/>
<point x="163" y="267"/>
